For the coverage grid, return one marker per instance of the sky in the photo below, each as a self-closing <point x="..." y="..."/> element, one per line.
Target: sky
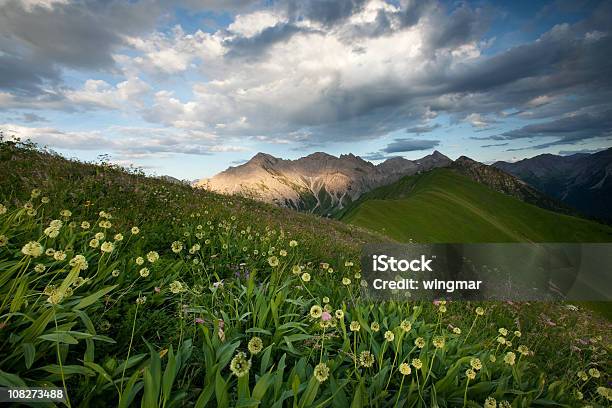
<point x="189" y="87"/>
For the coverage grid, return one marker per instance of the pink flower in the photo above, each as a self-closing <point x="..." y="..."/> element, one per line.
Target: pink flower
<point x="436" y="302"/>
<point x="157" y="289"/>
<point x="325" y="316"/>
<point x="199" y="320"/>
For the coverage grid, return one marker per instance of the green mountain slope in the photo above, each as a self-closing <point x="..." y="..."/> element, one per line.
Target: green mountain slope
<point x="444" y="206"/>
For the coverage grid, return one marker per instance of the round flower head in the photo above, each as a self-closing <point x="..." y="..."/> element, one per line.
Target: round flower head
<point x="325" y="316"/>
<point x="115" y="273"/>
<point x="524" y="350"/>
<point x="40" y="268"/>
<point x="51" y="232"/>
<point x="509" y="358"/>
<point x="339" y="314"/>
<point x="420" y="342"/>
<point x="107" y="247"/>
<point x="406" y="326"/>
<point x="442" y="309"/>
<point x="375" y="327"/>
<point x="239" y="365"/>
<point x="152" y="256"/>
<point x="85" y="225"/>
<point x="438" y="342"/>
<point x="296" y="269"/>
<point x="255" y="345"/>
<point x="504" y="404"/>
<point x="405" y="369"/>
<point x="118" y="237"/>
<point x="306" y="277"/>
<point x="45" y="200"/>
<point x="321" y="372"/>
<point x="325" y="299"/>
<point x="135" y="230"/>
<point x="355" y="326"/>
<point x="476" y="363"/>
<point x="583" y="375"/>
<point x="177" y="246"/>
<point x="346" y="281"/>
<point x="503" y="331"/>
<point x="389" y="336"/>
<point x="2" y="209"/>
<point x="417" y="363"/>
<point x="479" y="311"/>
<point x="282" y="252"/>
<point x="99" y="236"/>
<point x="324" y="265"/>
<point x="144" y="272"/>
<point x="456" y="330"/>
<point x="593" y="372"/>
<point x="56" y="224"/>
<point x="366" y="359"/>
<point x="141" y="300"/>
<point x="471" y="374"/>
<point x="139" y="260"/>
<point x="176" y="287"/>
<point x="293" y="243"/>
<point x="490" y="402"/>
<point x="492" y="358"/>
<point x="273" y="261"/>
<point x="59" y="255"/>
<point x="94" y="243"/>
<point x="66" y="213"/>
<point x="33" y="249"/>
<point x="517" y="333"/>
<point x="3" y="240"/>
<point x="316" y="311"/>
<point x="501" y="340"/>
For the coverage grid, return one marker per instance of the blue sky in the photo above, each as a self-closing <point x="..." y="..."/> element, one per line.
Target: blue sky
<point x="190" y="87"/>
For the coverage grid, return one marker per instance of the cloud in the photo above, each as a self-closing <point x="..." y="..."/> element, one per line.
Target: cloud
<point x="423" y="129"/>
<point x="410" y="145"/>
<point x="494" y="145"/>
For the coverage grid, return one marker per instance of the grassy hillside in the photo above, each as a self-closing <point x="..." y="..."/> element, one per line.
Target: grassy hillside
<point x="131" y="291"/>
<point x="444" y="206"/>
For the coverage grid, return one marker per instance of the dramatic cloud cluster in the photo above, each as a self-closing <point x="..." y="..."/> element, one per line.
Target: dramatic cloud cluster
<point x="300" y="72"/>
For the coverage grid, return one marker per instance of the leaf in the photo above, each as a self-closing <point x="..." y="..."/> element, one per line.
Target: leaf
<point x="221" y="391"/>
<point x="29" y="352"/>
<point x="60" y="337"/>
<point x="68" y="370"/>
<point x="91" y="299"/>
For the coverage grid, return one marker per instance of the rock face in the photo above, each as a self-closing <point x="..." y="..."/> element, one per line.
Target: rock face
<point x="582" y="181"/>
<point x="503" y="182"/>
<point x="319" y="183"/>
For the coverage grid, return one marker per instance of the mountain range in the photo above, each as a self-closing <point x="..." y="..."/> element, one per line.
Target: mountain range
<point x="582" y="181"/>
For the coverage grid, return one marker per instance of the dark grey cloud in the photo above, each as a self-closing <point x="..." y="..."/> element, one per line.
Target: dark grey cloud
<point x="26" y="76"/>
<point x="33" y="118"/>
<point x="256" y="46"/>
<point x="423" y="128"/>
<point x="324" y="11"/>
<point x="410" y="145"/>
<point x="464" y="24"/>
<point x="494" y="145"/>
<point x="375" y="156"/>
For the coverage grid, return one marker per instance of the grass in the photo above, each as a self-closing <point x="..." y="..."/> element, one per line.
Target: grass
<point x="444" y="206"/>
<point x="127" y="290"/>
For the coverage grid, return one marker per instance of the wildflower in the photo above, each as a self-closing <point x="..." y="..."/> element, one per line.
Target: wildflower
<point x="59" y="255"/>
<point x="40" y="268"/>
<point x="144" y="272"/>
<point x="31" y="213"/>
<point x="321" y="372"/>
<point x="316" y="312"/>
<point x="152" y="256"/>
<point x="2" y="209"/>
<point x="406" y="326"/>
<point x="141" y="300"/>
<point x="501" y="340"/>
<point x="348" y="264"/>
<point x="442" y="309"/>
<point x="55" y="297"/>
<point x="35" y="193"/>
<point x="456" y="330"/>
<point x="438" y="342"/>
<point x="296" y="269"/>
<point x="593" y="372"/>
<point x="105" y="224"/>
<point x="107" y="247"/>
<point x="135" y="230"/>
<point x="503" y="331"/>
<point x="176" y="287"/>
<point x="94" y="243"/>
<point x="582" y="375"/>
<point x="346" y="281"/>
<point x="509" y="358"/>
<point x="255" y="345"/>
<point x="490" y="402"/>
<point x="417" y="363"/>
<point x="28" y="206"/>
<point x="419" y="342"/>
<point x="85" y="225"/>
<point x="405" y="369"/>
<point x="99" y="236"/>
<point x="479" y="311"/>
<point x="115" y="273"/>
<point x="306" y="277"/>
<point x="504" y="404"/>
<point x="375" y="327"/>
<point x="325" y="299"/>
<point x="355" y="326"/>
<point x="578" y="394"/>
<point x="282" y="252"/>
<point x="389" y="336"/>
<point x="32" y="248"/>
<point x="293" y="243"/>
<point x="198" y="320"/>
<point x="139" y="260"/>
<point x="79" y="262"/>
<point x="66" y="213"/>
<point x="476" y="363"/>
<point x="523" y="350"/>
<point x="3" y="240"/>
<point x="45" y="200"/>
<point x="239" y="365"/>
<point x="366" y="359"/>
<point x="470" y="374"/>
<point x="51" y="232"/>
<point x="177" y="246"/>
<point x="324" y="265"/>
<point x="273" y="261"/>
<point x="118" y="237"/>
<point x="492" y="358"/>
<point x="517" y="333"/>
<point x="330" y="270"/>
